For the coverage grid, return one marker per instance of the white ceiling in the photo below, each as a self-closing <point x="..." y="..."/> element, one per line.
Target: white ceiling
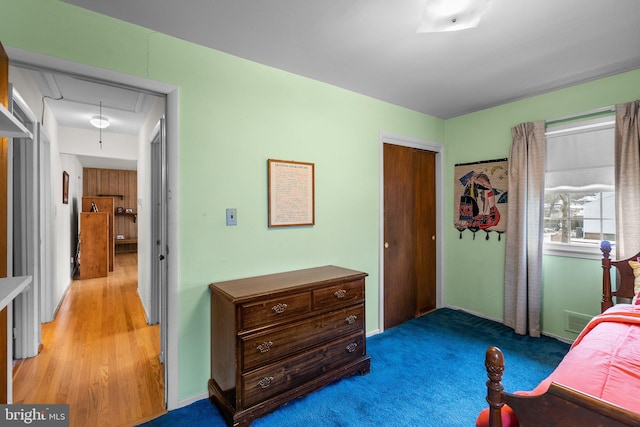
<point x="75" y="100"/>
<point x="521" y="47"/>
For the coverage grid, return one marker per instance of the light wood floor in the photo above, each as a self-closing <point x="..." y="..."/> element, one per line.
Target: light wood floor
<point x="98" y="355"/>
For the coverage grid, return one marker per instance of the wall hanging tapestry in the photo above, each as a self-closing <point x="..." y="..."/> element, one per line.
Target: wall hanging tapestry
<point x="481" y="197"/>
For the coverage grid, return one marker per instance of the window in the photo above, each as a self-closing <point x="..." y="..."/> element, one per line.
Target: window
<point x="579" y="209"/>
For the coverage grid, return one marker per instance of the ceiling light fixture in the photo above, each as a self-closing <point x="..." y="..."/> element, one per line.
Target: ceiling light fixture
<point x="451" y="15"/>
<point x="100" y="122"/>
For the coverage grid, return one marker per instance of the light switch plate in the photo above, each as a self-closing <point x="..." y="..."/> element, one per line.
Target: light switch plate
<point x="232" y="216"/>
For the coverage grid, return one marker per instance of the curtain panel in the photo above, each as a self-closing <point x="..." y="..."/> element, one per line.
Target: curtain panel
<point x="627" y="179"/>
<point x="525" y="225"/>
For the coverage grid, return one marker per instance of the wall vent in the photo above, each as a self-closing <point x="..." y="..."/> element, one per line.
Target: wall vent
<point x="575" y="322"/>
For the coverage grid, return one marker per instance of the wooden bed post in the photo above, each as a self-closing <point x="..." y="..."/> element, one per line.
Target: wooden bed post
<point x="607" y="302"/>
<point x="494" y="363"/>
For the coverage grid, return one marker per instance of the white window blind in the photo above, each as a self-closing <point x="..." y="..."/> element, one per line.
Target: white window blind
<point x="580" y="156"/>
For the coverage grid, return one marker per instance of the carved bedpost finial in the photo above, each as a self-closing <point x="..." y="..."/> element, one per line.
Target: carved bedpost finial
<point x="607" y="301"/>
<point x="605" y="247"/>
<point x="494" y="363"/>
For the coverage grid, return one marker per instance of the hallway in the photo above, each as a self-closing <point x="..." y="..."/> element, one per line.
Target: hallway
<point x="98" y="355"/>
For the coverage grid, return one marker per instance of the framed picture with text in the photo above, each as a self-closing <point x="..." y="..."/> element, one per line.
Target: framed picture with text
<point x="291" y="193"/>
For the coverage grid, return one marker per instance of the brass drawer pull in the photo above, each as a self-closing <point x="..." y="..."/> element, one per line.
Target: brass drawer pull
<point x="265" y="382"/>
<point x="279" y="308"/>
<point x="340" y="293"/>
<point x="351" y="319"/>
<point x="264" y="347"/>
<point x="352" y="347"/>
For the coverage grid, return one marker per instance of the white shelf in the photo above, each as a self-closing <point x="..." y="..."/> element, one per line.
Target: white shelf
<point x="11" y="287"/>
<point x="10" y="127"/>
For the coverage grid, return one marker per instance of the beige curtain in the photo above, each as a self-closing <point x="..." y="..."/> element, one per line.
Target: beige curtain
<point x="627" y="179"/>
<point x="525" y="228"/>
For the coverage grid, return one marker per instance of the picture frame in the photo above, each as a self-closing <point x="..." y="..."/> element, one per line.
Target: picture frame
<point x="65" y="187"/>
<point x="291" y="193"/>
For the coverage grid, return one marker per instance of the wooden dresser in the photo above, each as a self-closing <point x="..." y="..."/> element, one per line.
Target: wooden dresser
<point x="277" y="337"/>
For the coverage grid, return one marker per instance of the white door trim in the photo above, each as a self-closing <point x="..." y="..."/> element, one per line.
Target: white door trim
<point x="47" y="307"/>
<point x="25" y="201"/>
<point x="406" y="141"/>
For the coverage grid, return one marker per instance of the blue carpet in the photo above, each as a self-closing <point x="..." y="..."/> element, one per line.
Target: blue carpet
<point x="426" y="372"/>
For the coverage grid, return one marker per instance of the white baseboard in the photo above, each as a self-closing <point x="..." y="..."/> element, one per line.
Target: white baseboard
<point x="144" y="307"/>
<point x="546" y="334"/>
<point x="374" y="332"/>
<point x="483" y="316"/>
<point x="558" y="337"/>
<point x="193" y="399"/>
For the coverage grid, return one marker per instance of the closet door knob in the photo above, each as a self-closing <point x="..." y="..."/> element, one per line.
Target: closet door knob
<point x="386" y="245"/>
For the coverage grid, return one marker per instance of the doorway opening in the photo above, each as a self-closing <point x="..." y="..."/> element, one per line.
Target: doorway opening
<point x="147" y="265"/>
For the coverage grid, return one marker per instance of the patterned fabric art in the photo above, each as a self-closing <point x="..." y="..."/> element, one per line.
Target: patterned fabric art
<point x="480" y="197"/>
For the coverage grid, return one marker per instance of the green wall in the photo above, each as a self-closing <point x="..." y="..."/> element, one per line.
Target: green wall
<point x="568" y="283"/>
<point x="234" y="115"/>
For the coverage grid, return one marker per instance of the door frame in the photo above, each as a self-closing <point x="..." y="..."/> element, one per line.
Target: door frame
<point x="25" y="178"/>
<point x="44" y="209"/>
<point x="158" y="244"/>
<point x="37" y="60"/>
<point x="157" y="202"/>
<point x="438" y="149"/>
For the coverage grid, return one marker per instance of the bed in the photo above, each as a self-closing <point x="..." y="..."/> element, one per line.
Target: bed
<point x="598" y="381"/>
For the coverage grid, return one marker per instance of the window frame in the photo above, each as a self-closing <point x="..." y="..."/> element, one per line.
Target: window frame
<point x="578" y="250"/>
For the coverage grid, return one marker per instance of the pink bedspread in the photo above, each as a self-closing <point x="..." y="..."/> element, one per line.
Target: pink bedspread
<point x="604" y="361"/>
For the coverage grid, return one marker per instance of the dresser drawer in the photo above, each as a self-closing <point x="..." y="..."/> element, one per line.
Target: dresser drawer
<point x="271" y="380"/>
<point x="261" y="349"/>
<point x="267" y="312"/>
<point x="339" y="296"/>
